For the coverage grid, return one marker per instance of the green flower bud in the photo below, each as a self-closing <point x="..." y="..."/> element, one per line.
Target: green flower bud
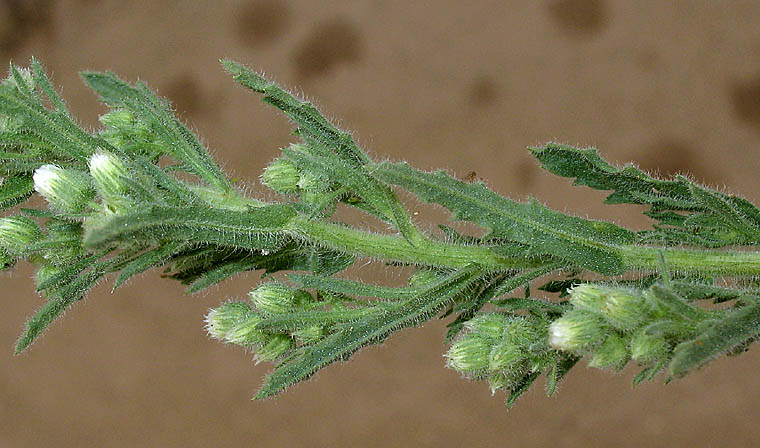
<point x="108" y="173"/>
<point x="221" y="321"/>
<point x="522" y="332"/>
<point x="504" y="356"/>
<point x="18" y="232"/>
<point x="68" y="242"/>
<point x="65" y="190"/>
<point x="612" y="353"/>
<point x="622" y="308"/>
<point x="276" y="346"/>
<point x="310" y="334"/>
<point x="45" y="272"/>
<point x="245" y="333"/>
<point x="274" y="298"/>
<point x="575" y="331"/>
<point x="121" y="119"/>
<point x="311" y="183"/>
<point x="646" y="348"/>
<point x="282" y="176"/>
<point x="469" y="354"/>
<point x="489" y="325"/>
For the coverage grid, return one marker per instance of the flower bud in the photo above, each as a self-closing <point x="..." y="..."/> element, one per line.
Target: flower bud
<point x="576" y="330"/>
<point x="273" y="298"/>
<point x="121" y="119"/>
<point x="504" y="356"/>
<point x="275" y="346"/>
<point x="108" y="173"/>
<point x="489" y="325"/>
<point x="282" y="176"/>
<point x="220" y="321"/>
<point x="622" y="308"/>
<point x="310" y="334"/>
<point x="65" y="190"/>
<point x="18" y="232"/>
<point x="521" y="332"/>
<point x="276" y="298"/>
<point x="469" y="354"/>
<point x="311" y="183"/>
<point x="612" y="353"/>
<point x="245" y="333"/>
<point x="646" y="348"/>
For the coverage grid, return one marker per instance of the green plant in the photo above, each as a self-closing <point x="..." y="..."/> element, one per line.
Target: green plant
<point x="142" y="192"/>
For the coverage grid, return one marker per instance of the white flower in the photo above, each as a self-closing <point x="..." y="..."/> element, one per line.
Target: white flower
<point x="45" y="179"/>
<point x="65" y="190"/>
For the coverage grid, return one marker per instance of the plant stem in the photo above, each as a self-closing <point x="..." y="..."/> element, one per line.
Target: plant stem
<point x="437" y="253"/>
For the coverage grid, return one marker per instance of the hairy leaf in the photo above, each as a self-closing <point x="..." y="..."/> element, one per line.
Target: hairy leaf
<point x="260" y="228"/>
<point x="590" y="244"/>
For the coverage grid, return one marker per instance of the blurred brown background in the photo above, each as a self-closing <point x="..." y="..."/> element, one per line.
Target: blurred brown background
<point x="672" y="86"/>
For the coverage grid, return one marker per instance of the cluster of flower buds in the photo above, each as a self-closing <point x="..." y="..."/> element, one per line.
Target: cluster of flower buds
<point x="500" y="348"/>
<point x="236" y="322"/>
<point x="612" y="325"/>
<point x="283" y="176"/>
<point x="123" y="130"/>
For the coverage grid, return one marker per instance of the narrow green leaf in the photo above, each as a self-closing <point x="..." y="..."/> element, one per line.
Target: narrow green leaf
<point x="309" y="120"/>
<point x="735" y="329"/>
<point x="630" y="185"/>
<point x="372" y="329"/>
<point x="41" y="80"/>
<point x="522" y="386"/>
<point x="260" y="228"/>
<point x="590" y="244"/>
<point x="559" y="369"/>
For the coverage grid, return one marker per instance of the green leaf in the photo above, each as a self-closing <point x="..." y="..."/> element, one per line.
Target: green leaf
<point x="41" y="80"/>
<point x="311" y="123"/>
<point x="156" y="114"/>
<point x="630" y="185"/>
<point x="15" y="190"/>
<point x="520" y="388"/>
<point x="150" y="259"/>
<point x="743" y="221"/>
<point x="260" y="228"/>
<point x="736" y="328"/>
<point x="559" y="369"/>
<point x="372" y="329"/>
<point x="590" y="244"/>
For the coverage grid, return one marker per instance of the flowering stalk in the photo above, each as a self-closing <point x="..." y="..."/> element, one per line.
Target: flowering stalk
<point x="142" y="192"/>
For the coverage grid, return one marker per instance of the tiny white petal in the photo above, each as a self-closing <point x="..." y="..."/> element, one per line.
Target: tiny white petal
<point x="44" y="177"/>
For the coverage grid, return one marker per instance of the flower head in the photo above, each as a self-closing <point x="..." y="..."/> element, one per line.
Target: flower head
<point x="66" y="190"/>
